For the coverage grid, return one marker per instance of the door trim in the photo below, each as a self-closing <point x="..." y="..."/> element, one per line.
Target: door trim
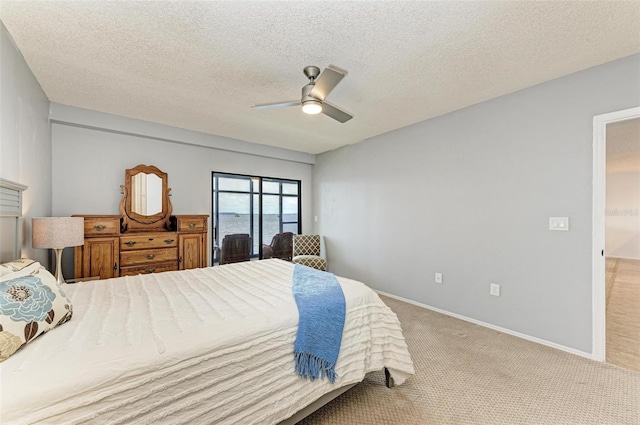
<point x="598" y="262"/>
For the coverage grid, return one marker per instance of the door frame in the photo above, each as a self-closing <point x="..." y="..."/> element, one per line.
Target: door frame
<point x="599" y="205"/>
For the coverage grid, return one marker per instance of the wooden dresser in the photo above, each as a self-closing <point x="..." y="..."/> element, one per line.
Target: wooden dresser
<point x="145" y="237"/>
<point x="107" y="252"/>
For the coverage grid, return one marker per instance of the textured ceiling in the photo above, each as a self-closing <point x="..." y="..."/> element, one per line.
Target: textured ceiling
<point x="201" y="65"/>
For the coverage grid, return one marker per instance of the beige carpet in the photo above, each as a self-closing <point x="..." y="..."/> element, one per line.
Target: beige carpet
<point x="468" y="374"/>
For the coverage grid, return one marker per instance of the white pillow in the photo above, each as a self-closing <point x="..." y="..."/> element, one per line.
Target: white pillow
<point x="14" y="266"/>
<point x="31" y="303"/>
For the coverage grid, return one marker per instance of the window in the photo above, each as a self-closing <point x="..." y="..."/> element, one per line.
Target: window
<point x="259" y="206"/>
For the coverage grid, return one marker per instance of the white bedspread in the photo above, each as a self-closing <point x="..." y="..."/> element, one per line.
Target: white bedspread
<point x="199" y="346"/>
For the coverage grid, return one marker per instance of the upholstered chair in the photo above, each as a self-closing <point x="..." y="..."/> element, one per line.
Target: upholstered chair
<point x="281" y="247"/>
<point x="235" y="248"/>
<point x="306" y="251"/>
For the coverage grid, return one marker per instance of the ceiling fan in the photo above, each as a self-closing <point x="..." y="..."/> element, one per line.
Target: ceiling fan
<point x="314" y="94"/>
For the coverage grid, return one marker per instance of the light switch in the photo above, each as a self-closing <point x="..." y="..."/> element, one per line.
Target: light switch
<point x="559" y="223"/>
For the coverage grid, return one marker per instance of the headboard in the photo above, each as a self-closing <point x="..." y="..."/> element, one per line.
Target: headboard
<point x="10" y="213"/>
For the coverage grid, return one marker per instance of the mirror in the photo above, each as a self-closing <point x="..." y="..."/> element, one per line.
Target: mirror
<point x="145" y="199"/>
<point x="146" y="194"/>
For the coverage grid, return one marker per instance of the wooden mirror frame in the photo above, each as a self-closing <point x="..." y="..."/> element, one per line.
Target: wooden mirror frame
<point x="135" y="221"/>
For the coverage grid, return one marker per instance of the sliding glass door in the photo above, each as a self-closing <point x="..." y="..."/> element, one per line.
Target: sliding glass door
<point x="258" y="206"/>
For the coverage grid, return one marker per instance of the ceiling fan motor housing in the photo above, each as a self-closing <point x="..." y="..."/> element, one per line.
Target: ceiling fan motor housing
<point x="305" y="93"/>
<point x="310" y="105"/>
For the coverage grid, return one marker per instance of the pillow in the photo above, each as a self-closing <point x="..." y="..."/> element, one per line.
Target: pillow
<point x="31" y="303"/>
<point x="14" y="266"/>
<point x="20" y="270"/>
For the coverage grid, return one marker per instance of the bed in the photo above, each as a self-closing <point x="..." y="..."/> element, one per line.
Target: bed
<point x="210" y="345"/>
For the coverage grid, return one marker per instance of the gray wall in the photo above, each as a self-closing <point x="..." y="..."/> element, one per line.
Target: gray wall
<point x="469" y="194"/>
<point x="89" y="164"/>
<point x="25" y="138"/>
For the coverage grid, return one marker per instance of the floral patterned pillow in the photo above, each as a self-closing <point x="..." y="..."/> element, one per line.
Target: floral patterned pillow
<point x="31" y="303"/>
<point x="14" y="266"/>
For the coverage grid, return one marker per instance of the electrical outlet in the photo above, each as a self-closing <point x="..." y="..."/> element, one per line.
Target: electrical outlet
<point x="494" y="289"/>
<point x="438" y="277"/>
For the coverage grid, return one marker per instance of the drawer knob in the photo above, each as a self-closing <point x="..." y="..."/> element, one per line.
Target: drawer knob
<point x="100" y="227"/>
<point x="168" y="241"/>
<point x="150" y="270"/>
<point x="192" y="225"/>
<point x="130" y="243"/>
<point x="150" y="239"/>
<point x="151" y="256"/>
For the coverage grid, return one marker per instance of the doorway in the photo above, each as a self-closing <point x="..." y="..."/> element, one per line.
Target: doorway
<point x="616" y="249"/>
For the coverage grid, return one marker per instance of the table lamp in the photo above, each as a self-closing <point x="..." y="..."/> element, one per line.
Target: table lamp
<point x="57" y="233"/>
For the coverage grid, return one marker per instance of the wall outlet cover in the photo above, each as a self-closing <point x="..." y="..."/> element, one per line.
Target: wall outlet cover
<point x="494" y="289"/>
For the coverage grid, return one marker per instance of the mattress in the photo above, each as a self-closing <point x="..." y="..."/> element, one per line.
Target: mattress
<point x="212" y="345"/>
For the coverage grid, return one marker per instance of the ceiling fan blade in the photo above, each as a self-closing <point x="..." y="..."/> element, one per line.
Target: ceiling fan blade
<point x="327" y="81"/>
<point x="335" y="112"/>
<point x="276" y="105"/>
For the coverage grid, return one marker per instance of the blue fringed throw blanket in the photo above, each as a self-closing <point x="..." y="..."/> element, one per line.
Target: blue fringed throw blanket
<point x="321" y="307"/>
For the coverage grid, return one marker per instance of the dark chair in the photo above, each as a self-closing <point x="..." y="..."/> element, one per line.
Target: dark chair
<point x="281" y="247"/>
<point x="235" y="248"/>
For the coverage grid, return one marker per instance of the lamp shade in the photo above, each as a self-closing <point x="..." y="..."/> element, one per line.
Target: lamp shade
<point x="57" y="232"/>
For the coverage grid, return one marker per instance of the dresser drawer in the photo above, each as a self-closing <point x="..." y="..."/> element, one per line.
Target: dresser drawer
<point x="101" y="226"/>
<point x="148" y="256"/>
<point x="148" y="241"/>
<point x="192" y="223"/>
<point x="150" y="268"/>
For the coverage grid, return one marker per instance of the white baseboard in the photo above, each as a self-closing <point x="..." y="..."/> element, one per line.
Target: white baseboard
<point x="494" y="327"/>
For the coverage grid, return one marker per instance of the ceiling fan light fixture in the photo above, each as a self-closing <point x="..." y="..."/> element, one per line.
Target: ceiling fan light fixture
<point x="311" y="107"/>
<point x="315" y="93"/>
